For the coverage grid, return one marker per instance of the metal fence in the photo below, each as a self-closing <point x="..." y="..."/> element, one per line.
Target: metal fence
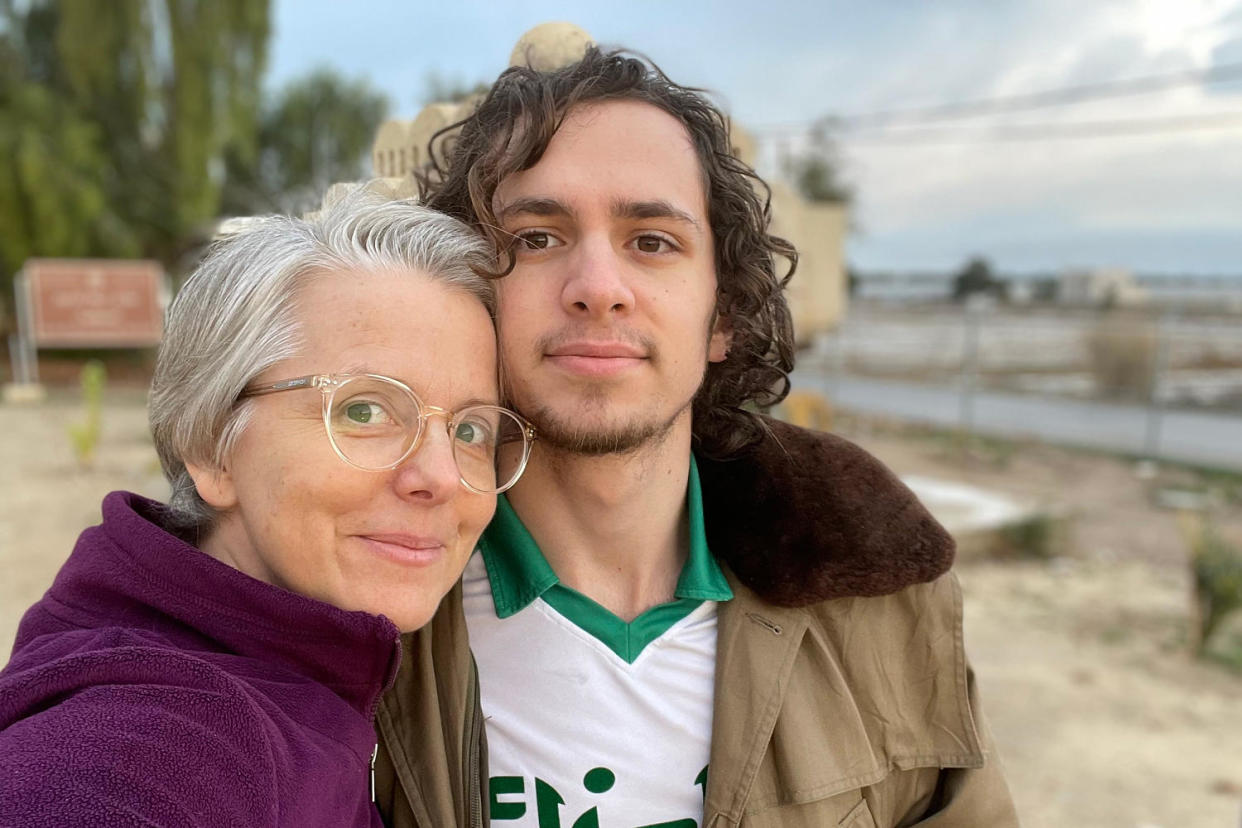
<point x="1140" y="367"/>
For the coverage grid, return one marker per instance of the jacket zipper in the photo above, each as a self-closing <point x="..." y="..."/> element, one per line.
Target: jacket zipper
<point x="374" y="753"/>
<point x="393" y="666"/>
<point x="476" y="786"/>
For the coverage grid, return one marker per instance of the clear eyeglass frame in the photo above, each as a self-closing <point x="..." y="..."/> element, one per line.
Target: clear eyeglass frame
<point x="329" y="384"/>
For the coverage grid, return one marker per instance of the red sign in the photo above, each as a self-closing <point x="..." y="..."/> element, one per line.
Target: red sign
<point x="95" y="303"/>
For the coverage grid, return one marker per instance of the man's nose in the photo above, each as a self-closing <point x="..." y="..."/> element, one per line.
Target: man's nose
<point x="597" y="285"/>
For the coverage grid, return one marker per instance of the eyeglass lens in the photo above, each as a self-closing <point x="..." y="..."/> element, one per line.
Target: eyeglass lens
<point x="373" y="423"/>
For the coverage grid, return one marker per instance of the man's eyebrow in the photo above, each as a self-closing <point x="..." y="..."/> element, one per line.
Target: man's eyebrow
<point x="534" y="206"/>
<point x="657" y="209"/>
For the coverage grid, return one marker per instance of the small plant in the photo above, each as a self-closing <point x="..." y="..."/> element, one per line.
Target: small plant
<point x="1217" y="569"/>
<point x="1033" y="537"/>
<point x="84" y="436"/>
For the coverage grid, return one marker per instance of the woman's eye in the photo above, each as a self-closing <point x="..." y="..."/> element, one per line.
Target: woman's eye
<point x="365" y="413"/>
<point x="471" y="433"/>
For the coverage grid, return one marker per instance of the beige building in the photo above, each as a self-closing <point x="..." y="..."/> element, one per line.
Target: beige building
<point x="817" y="294"/>
<point x="1100" y="287"/>
<point x="400" y="147"/>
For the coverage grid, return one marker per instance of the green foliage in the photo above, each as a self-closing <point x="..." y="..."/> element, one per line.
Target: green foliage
<point x="1033" y="537"/>
<point x="53" y="194"/>
<point x="851" y="281"/>
<point x="84" y="436"/>
<point x="115" y="118"/>
<point x="316" y="132"/>
<point x="816" y="170"/>
<point x="976" y="277"/>
<point x="1217" y="566"/>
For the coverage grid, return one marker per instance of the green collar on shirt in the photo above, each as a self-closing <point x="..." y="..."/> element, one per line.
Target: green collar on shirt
<point x="519" y="573"/>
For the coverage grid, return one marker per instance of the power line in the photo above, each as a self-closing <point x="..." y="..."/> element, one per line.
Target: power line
<point x="1044" y="132"/>
<point x="1220" y="73"/>
<point x="896" y="117"/>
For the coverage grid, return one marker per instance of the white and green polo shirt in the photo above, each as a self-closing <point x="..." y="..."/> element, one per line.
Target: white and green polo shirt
<point x="592" y="722"/>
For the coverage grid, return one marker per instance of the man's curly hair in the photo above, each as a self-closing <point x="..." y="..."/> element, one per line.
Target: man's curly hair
<point x="510" y="130"/>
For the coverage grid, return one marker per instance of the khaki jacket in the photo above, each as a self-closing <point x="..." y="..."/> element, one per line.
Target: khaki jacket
<point x="843" y="695"/>
<point x="856" y="712"/>
<point x="430" y="714"/>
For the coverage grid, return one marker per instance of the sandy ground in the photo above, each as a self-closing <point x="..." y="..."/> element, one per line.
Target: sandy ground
<point x="1100" y="716"/>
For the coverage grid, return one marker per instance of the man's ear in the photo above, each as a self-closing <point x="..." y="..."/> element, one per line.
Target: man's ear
<point x="722" y="338"/>
<point x="215" y="486"/>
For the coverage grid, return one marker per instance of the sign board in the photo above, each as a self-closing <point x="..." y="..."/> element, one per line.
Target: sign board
<point x="94" y="303"/>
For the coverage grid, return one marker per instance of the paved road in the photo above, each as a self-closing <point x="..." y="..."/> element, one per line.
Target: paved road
<point x="1203" y="439"/>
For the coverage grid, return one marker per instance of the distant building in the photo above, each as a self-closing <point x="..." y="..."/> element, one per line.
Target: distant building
<point x="400" y="147"/>
<point x="818" y="294"/>
<point x="1100" y="287"/>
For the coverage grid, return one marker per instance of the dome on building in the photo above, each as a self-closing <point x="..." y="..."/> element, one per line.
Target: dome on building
<point x="550" y="46"/>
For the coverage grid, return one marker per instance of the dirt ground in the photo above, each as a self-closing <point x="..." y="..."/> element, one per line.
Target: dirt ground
<point x="1100" y="716"/>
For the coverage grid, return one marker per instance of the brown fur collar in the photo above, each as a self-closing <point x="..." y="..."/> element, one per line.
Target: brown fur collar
<point x="806" y="516"/>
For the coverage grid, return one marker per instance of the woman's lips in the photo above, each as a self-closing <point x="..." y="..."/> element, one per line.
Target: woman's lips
<point x="405" y="549"/>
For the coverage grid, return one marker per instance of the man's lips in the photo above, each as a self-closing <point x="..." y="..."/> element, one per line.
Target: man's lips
<point x="415" y="550"/>
<point x="598" y="350"/>
<point x="595" y="358"/>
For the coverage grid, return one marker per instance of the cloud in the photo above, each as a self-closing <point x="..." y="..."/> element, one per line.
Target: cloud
<point x="782" y="62"/>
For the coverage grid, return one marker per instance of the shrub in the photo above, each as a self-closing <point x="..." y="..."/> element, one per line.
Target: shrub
<point x="1033" y="537"/>
<point x="1122" y="351"/>
<point x="1217" y="567"/>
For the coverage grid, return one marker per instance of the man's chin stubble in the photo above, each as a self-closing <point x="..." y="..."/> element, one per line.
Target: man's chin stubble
<point x="565" y="438"/>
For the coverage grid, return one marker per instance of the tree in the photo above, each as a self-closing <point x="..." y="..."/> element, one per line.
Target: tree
<point x="53" y="189"/>
<point x="815" y="170"/>
<point x="316" y="132"/>
<point x="851" y="281"/>
<point x="115" y="119"/>
<point x="976" y="277"/>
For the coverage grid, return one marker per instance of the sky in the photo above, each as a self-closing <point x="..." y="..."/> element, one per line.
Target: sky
<point x="1163" y="196"/>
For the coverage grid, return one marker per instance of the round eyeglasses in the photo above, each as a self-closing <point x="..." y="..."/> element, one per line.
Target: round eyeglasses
<point x="375" y="422"/>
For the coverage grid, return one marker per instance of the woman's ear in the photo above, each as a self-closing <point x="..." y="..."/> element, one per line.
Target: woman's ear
<point x="215" y="486"/>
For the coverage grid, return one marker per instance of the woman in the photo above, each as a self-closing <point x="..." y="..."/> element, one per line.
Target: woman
<point x="324" y="407"/>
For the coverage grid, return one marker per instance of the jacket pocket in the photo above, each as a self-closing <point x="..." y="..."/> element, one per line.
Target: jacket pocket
<point x="846" y="810"/>
<point x="858" y="817"/>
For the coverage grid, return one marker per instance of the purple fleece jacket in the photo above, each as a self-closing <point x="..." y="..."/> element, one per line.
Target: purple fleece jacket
<point x="154" y="685"/>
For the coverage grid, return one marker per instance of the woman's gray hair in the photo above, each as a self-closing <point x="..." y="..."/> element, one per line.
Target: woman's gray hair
<point x="235" y="317"/>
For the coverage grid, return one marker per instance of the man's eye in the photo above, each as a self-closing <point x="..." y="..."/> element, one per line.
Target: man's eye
<point x="535" y="240"/>
<point x="652" y="244"/>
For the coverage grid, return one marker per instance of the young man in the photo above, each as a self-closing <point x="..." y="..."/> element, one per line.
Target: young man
<point x="684" y="614"/>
